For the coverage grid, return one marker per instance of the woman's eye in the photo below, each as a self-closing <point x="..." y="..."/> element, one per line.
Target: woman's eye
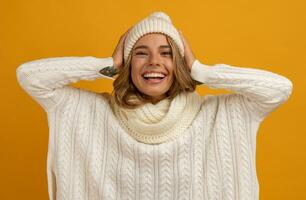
<point x="163" y="53"/>
<point x="167" y="53"/>
<point x="140" y="53"/>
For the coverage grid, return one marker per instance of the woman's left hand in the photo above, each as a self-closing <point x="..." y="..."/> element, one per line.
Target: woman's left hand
<point x="188" y="54"/>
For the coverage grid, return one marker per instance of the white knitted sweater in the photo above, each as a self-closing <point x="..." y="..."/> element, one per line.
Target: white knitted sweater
<point x="90" y="156"/>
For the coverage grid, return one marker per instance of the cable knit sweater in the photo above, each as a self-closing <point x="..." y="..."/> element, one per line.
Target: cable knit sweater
<point x="90" y="156"/>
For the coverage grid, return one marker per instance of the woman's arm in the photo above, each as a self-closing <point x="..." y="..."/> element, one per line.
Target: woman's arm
<point x="46" y="80"/>
<point x="262" y="91"/>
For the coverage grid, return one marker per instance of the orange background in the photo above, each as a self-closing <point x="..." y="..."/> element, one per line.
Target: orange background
<point x="266" y="34"/>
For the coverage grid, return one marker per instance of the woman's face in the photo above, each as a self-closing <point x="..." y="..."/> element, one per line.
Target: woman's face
<point x="152" y="65"/>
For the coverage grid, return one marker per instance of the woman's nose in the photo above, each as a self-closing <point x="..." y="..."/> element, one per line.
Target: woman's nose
<point x="154" y="59"/>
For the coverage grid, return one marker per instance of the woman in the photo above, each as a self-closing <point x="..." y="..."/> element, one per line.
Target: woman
<point x="154" y="137"/>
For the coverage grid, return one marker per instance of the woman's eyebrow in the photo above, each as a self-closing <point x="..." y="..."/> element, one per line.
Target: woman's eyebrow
<point x="164" y="46"/>
<point x="146" y="47"/>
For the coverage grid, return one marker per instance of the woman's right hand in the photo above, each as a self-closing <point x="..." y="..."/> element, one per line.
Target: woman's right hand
<point x="118" y="52"/>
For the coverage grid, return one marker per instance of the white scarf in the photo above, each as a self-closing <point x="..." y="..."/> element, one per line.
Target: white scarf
<point x="160" y="122"/>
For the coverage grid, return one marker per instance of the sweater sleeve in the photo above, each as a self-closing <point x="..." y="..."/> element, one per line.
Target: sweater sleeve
<point x="261" y="91"/>
<point x="46" y="80"/>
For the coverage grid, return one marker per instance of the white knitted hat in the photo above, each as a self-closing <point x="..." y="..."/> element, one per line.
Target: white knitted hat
<point x="158" y="22"/>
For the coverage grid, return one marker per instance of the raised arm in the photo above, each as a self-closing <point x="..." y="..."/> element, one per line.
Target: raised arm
<point x="46" y="80"/>
<point x="262" y="91"/>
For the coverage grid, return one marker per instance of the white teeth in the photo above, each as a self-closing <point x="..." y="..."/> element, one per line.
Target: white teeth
<point x="154" y="75"/>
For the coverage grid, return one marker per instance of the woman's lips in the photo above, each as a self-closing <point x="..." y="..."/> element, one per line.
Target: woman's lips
<point x="154" y="80"/>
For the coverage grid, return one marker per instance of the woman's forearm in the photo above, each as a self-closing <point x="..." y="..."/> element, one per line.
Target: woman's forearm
<point x="263" y="91"/>
<point x="46" y="80"/>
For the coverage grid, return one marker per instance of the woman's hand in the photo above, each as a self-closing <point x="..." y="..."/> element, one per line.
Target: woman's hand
<point x="188" y="54"/>
<point x="118" y="52"/>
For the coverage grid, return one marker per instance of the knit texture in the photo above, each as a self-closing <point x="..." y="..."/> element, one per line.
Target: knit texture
<point x="142" y="123"/>
<point x="91" y="156"/>
<point x="157" y="22"/>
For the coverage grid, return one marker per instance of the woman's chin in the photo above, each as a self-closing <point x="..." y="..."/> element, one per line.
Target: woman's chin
<point x="155" y="91"/>
<point x="156" y="96"/>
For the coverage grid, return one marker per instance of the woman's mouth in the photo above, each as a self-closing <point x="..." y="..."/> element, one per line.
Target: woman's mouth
<point x="154" y="78"/>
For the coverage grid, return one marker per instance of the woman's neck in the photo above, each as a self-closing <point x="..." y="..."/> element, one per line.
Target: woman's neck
<point x="155" y="100"/>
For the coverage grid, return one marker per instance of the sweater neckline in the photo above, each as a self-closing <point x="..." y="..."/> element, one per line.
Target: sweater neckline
<point x="131" y="140"/>
<point x="122" y="132"/>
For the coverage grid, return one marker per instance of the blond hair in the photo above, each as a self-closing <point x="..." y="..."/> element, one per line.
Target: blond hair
<point x="126" y="94"/>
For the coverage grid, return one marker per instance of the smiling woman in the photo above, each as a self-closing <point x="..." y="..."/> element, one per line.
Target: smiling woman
<point x="155" y="70"/>
<point x="152" y="66"/>
<point x="155" y="137"/>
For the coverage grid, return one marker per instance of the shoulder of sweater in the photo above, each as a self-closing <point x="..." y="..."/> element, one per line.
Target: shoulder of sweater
<point x="104" y="96"/>
<point x="216" y="98"/>
<point x="74" y="94"/>
<point x="231" y="101"/>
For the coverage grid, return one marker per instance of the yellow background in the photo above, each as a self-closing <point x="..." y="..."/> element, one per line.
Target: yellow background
<point x="266" y="34"/>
